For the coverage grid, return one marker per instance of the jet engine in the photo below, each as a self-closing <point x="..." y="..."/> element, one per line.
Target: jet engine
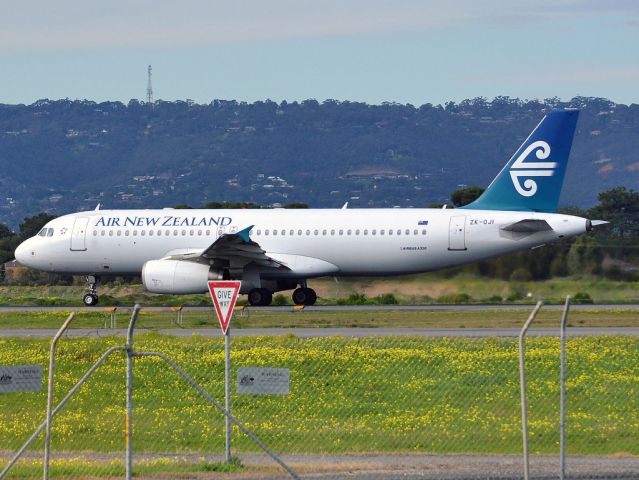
<point x="177" y="276"/>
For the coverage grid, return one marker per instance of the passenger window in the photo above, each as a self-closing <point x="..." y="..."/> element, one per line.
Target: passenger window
<point x="399" y="232"/>
<point x="424" y="232"/>
<point x="95" y="233"/>
<point x="374" y="232"/>
<point x="191" y="232"/>
<point x="381" y="232"/>
<point x="308" y="233"/>
<point x="150" y="233"/>
<point x="415" y="232"/>
<point x="283" y="232"/>
<point x="357" y="232"/>
<point x="119" y="233"/>
<point x="259" y="232"/>
<point x="291" y="232"/>
<point x="341" y="232"/>
<point x="126" y="233"/>
<point x="143" y="232"/>
<point x="332" y="232"/>
<point x="348" y="232"/>
<point x="407" y="231"/>
<point x="274" y="233"/>
<point x="299" y="232"/>
<point x="199" y="232"/>
<point x="159" y="233"/>
<point x="208" y="232"/>
<point x="365" y="232"/>
<point x="184" y="233"/>
<point x="135" y="233"/>
<point x="316" y="232"/>
<point x="390" y="232"/>
<point x="175" y="233"/>
<point x="103" y="233"/>
<point x="323" y="232"/>
<point x="266" y="232"/>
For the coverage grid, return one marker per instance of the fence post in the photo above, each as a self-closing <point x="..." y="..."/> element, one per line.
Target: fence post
<point x="129" y="392"/>
<point x="562" y="401"/>
<point x="47" y="437"/>
<point x="227" y="392"/>
<point x="522" y="383"/>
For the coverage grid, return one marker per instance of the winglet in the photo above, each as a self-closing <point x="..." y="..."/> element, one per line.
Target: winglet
<point x="244" y="234"/>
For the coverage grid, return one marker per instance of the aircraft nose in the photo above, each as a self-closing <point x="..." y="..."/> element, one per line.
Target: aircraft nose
<point x="23" y="254"/>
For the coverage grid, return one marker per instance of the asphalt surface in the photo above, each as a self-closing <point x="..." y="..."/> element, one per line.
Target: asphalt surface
<point x="395" y="466"/>
<point x="333" y="332"/>
<point x="342" y="308"/>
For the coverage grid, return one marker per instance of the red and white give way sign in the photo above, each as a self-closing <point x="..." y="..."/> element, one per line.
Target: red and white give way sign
<point x="224" y="295"/>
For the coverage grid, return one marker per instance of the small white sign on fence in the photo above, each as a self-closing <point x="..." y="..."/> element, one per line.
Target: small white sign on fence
<point x="259" y="380"/>
<point x="20" y="378"/>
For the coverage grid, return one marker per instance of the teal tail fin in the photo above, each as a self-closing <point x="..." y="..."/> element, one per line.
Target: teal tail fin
<point x="532" y="178"/>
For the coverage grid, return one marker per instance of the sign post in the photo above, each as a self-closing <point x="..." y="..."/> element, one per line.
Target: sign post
<point x="224" y="295"/>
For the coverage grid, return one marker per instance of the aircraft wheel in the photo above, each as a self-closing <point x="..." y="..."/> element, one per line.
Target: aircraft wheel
<point x="260" y="297"/>
<point x="90" y="299"/>
<point x="304" y="296"/>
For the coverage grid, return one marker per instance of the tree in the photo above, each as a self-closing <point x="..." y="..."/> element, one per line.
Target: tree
<point x="466" y="195"/>
<point x="5" y="232"/>
<point x="620" y="207"/>
<point x="32" y="225"/>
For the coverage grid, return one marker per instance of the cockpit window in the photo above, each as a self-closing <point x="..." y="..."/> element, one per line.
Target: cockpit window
<point x="43" y="232"/>
<point x="50" y="232"/>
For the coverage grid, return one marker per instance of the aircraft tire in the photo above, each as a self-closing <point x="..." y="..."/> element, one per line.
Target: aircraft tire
<point x="260" y="297"/>
<point x="304" y="296"/>
<point x="90" y="300"/>
<point x="311" y="297"/>
<point x="299" y="296"/>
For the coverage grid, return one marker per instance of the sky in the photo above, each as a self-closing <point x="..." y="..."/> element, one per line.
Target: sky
<point x="405" y="51"/>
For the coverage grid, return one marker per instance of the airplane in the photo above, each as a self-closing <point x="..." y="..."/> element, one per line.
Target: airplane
<point x="178" y="251"/>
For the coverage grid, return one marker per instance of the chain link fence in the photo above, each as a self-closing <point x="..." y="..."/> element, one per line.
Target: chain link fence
<point x="363" y="407"/>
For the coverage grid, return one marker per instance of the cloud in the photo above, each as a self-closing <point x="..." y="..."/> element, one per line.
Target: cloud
<point x="79" y="24"/>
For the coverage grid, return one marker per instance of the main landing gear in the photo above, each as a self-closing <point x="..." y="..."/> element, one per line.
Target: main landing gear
<point x="91" y="298"/>
<point x="304" y="296"/>
<point x="260" y="297"/>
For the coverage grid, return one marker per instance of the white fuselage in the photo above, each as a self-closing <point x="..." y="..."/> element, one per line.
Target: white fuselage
<point x="312" y="243"/>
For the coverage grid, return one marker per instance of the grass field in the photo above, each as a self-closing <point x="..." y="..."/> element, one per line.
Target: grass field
<point x="347" y="395"/>
<point x="254" y="318"/>
<point x="424" y="288"/>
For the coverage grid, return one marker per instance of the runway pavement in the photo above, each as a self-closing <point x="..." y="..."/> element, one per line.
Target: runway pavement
<point x="334" y="332"/>
<point x="338" y="308"/>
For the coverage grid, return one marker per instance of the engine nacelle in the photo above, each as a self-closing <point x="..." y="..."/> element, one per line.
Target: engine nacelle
<point x="177" y="277"/>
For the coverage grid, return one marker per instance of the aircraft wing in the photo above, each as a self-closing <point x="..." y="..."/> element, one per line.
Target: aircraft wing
<point x="235" y="250"/>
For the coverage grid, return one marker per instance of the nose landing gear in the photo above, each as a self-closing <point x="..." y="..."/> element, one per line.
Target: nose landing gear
<point x="91" y="298"/>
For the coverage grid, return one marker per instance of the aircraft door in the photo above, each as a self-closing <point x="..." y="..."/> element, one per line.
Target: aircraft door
<point x="78" y="235"/>
<point x="457" y="233"/>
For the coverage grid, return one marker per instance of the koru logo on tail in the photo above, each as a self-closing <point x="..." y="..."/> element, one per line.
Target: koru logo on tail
<point x="521" y="168"/>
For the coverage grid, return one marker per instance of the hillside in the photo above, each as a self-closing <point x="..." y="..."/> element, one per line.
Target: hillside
<point x="61" y="156"/>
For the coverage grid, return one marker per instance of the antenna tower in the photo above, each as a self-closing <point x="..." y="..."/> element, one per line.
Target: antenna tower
<point x="149" y="89"/>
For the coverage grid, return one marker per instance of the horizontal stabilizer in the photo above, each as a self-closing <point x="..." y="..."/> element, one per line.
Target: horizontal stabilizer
<point x="529" y="225"/>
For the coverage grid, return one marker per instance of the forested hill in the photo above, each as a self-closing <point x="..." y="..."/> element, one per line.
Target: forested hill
<point x="62" y="156"/>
